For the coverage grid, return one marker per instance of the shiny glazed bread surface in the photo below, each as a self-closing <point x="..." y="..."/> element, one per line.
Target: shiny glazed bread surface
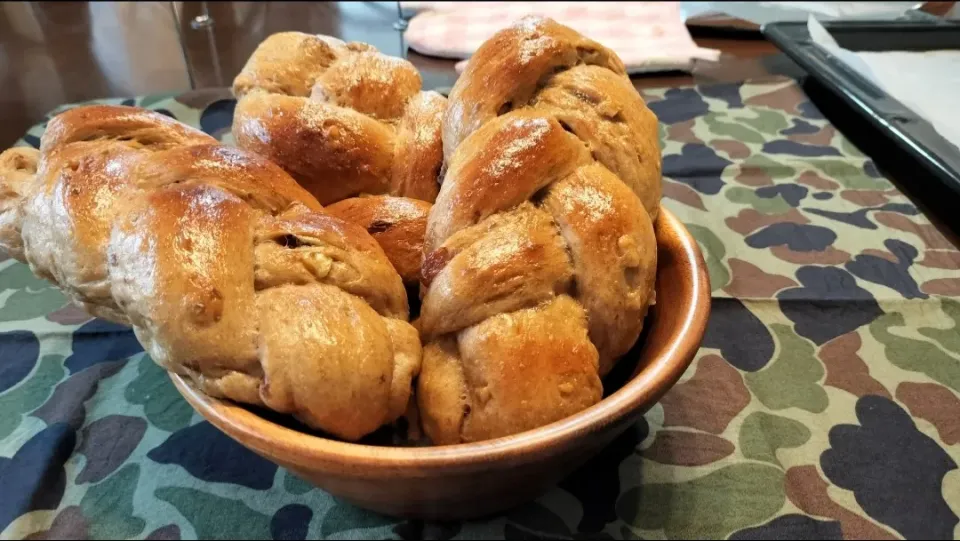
<point x="341" y="118"/>
<point x="229" y="272"/>
<point x="540" y="250"/>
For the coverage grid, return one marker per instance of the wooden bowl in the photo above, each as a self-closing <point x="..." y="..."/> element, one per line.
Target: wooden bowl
<point x="478" y="479"/>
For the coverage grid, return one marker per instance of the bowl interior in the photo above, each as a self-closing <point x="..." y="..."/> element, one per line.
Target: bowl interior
<point x="672" y="335"/>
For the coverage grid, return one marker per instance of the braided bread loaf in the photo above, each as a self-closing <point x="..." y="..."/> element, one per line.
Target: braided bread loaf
<point x="341" y="118"/>
<point x="229" y="272"/>
<point x="541" y="255"/>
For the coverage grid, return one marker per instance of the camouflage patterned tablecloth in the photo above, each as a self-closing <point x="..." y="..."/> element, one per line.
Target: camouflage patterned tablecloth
<point x="823" y="404"/>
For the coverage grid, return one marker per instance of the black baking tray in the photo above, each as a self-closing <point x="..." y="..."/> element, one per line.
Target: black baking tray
<point x="889" y="117"/>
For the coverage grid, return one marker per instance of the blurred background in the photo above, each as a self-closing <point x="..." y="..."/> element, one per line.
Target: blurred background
<point x="62" y="52"/>
<point x="53" y="53"/>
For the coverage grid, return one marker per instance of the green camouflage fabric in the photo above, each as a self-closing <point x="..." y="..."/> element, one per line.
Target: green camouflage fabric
<point x="824" y="403"/>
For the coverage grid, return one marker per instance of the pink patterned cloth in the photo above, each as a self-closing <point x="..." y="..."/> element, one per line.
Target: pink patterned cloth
<point x="648" y="36"/>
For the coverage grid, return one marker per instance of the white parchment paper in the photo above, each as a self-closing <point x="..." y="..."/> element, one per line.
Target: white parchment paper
<point x="927" y="82"/>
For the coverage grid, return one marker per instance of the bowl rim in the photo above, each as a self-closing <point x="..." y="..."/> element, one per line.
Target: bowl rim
<point x="658" y="376"/>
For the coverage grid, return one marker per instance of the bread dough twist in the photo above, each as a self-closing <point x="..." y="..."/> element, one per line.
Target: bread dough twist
<point x="540" y="249"/>
<point x="341" y="118"/>
<point x="230" y="273"/>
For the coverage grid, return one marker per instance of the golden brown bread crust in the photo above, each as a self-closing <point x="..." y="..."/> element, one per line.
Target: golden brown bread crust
<point x="559" y="73"/>
<point x="229" y="272"/>
<point x="540" y="250"/>
<point x="397" y="223"/>
<point x="341" y="118"/>
<point x="513" y="372"/>
<point x="83" y="182"/>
